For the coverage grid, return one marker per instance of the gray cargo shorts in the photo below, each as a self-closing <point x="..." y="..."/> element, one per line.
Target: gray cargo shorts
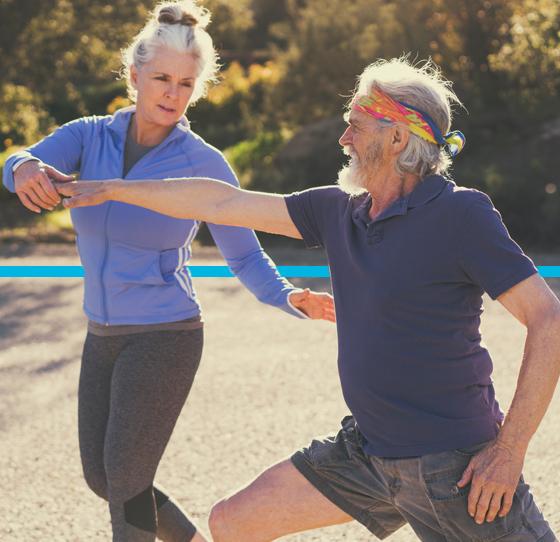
<point x="385" y="494"/>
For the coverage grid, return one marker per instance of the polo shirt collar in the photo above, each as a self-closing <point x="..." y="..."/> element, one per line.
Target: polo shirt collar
<point x="425" y="191"/>
<point x="121" y="119"/>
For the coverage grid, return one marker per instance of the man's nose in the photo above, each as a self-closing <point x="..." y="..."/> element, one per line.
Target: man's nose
<point x="346" y="137"/>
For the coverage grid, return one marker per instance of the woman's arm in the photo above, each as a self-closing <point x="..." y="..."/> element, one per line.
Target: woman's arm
<point x="29" y="173"/>
<point x="207" y="200"/>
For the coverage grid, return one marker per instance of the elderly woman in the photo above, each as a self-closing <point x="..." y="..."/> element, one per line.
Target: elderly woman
<point x="144" y="339"/>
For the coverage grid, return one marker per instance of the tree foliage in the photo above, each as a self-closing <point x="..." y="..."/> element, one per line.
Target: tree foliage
<point x="288" y="67"/>
<point x="530" y="53"/>
<point x="67" y="52"/>
<point x="21" y="118"/>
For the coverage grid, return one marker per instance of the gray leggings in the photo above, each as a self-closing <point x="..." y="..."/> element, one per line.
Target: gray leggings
<point x="132" y="389"/>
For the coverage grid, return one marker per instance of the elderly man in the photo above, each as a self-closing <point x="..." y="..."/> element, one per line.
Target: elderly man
<point x="411" y="254"/>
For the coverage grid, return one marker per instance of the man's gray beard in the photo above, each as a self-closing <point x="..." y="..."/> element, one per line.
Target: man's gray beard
<point x="352" y="179"/>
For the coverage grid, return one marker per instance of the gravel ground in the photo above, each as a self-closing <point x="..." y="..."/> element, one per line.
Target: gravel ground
<point x="267" y="384"/>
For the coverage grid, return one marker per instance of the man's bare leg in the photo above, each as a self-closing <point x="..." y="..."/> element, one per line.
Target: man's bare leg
<point x="278" y="502"/>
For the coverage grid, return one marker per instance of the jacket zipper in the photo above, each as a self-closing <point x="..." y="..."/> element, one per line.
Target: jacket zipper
<point x="106" y="249"/>
<point x="103" y="264"/>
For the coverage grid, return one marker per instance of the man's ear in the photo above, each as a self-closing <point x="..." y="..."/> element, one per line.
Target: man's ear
<point x="399" y="138"/>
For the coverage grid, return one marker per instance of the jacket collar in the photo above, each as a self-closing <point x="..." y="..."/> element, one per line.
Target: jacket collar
<point x="121" y="119"/>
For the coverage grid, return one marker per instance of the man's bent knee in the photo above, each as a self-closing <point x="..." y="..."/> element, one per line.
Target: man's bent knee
<point x="217" y="522"/>
<point x="225" y="528"/>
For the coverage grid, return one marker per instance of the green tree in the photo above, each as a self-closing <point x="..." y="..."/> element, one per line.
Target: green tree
<point x="530" y="52"/>
<point x="68" y="52"/>
<point x="328" y="44"/>
<point x="230" y="24"/>
<point x="21" y="119"/>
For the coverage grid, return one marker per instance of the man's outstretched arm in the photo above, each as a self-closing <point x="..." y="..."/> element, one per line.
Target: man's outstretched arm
<point x="207" y="200"/>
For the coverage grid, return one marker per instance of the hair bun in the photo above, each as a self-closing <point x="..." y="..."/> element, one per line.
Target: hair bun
<point x="169" y="15"/>
<point x="188" y="20"/>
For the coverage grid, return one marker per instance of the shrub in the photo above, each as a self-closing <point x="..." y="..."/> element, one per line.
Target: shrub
<point x="22" y="120"/>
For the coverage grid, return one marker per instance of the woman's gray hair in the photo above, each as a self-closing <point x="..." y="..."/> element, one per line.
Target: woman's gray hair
<point x="423" y="87"/>
<point x="179" y="26"/>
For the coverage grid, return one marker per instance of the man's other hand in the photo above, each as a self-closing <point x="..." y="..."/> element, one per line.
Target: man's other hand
<point x="494" y="474"/>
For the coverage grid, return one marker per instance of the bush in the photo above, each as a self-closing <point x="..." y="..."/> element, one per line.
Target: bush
<point x="254" y="156"/>
<point x="22" y="120"/>
<point x="237" y="109"/>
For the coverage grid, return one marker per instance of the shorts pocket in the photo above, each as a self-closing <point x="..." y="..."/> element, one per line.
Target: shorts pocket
<point x="334" y="450"/>
<point x="450" y="505"/>
<point x="472" y="450"/>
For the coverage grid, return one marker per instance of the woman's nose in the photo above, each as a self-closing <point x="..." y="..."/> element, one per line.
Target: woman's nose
<point x="172" y="91"/>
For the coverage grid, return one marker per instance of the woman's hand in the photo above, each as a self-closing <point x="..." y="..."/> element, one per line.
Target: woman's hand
<point x="316" y="305"/>
<point x="34" y="187"/>
<point x="85" y="193"/>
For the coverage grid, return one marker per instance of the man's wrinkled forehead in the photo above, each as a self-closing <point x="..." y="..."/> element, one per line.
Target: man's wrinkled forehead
<point x="354" y="116"/>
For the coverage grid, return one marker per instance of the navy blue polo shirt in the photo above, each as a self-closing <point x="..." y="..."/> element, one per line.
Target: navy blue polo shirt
<point x="408" y="292"/>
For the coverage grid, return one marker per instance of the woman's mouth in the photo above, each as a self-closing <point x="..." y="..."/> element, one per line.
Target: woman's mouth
<point x="166" y="109"/>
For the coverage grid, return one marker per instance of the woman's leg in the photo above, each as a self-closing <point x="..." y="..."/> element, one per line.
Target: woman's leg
<point x="150" y="382"/>
<point x="98" y="359"/>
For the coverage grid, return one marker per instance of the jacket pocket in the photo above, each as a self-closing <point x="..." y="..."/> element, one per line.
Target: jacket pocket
<point x="168" y="263"/>
<point x="131" y="265"/>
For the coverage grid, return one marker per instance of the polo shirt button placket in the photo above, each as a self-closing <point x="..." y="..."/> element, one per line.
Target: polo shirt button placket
<point x="374" y="235"/>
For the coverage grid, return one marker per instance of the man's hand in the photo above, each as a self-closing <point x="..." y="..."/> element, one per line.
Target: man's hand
<point x="316" y="305"/>
<point x="494" y="474"/>
<point x="85" y="193"/>
<point x="34" y="187"/>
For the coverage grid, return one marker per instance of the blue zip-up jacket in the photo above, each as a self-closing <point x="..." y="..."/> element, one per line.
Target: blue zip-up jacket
<point x="134" y="259"/>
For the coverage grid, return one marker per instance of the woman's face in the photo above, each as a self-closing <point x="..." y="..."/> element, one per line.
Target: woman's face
<point x="164" y="86"/>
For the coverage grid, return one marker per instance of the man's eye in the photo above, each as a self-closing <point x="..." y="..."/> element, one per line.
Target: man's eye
<point x="188" y="85"/>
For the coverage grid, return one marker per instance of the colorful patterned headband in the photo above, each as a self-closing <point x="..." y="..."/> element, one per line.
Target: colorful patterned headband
<point x="383" y="107"/>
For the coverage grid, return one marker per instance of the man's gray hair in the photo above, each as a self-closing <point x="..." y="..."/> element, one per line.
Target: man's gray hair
<point x="423" y="87"/>
<point x="180" y="26"/>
